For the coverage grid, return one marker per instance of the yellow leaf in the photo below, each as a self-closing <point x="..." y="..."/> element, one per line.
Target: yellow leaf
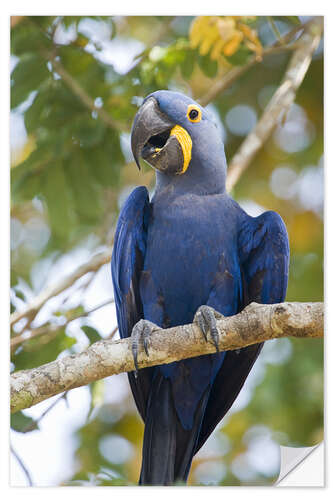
<point x="18" y="156"/>
<point x="211" y="36"/>
<point x="226" y="27"/>
<point x="232" y="45"/>
<point x="254" y="48"/>
<point x="217" y="49"/>
<point x="198" y="29"/>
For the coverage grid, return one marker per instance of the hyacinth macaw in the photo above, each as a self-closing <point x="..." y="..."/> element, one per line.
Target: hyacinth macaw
<point x="190" y="253"/>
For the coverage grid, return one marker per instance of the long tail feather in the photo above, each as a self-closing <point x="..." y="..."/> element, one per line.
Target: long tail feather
<point x="167" y="447"/>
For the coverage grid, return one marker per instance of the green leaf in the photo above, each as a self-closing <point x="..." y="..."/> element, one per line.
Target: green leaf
<point x="106" y="160"/>
<point x="86" y="191"/>
<point x="91" y="333"/>
<point x="68" y="20"/>
<point x="24" y="37"/>
<point x="26" y="178"/>
<point x="53" y="107"/>
<point x="27" y="188"/>
<point x="87" y="131"/>
<point x="59" y="200"/>
<point x="21" y="423"/>
<point x="41" y="350"/>
<point x="97" y="390"/>
<point x="240" y="57"/>
<point x="187" y="64"/>
<point x="20" y="295"/>
<point x="294" y="19"/>
<point x="76" y="61"/>
<point x="27" y="76"/>
<point x="208" y="66"/>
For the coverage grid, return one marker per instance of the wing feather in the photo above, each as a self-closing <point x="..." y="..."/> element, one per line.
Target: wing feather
<point x="263" y="250"/>
<point x="126" y="267"/>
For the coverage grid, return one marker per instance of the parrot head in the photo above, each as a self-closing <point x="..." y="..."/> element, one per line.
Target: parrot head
<point x="177" y="137"/>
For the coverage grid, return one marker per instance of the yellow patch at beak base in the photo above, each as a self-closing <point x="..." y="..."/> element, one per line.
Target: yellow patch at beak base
<point x="185" y="141"/>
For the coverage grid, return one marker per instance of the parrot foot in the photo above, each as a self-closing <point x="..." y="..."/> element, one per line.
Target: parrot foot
<point x="205" y="318"/>
<point x="140" y="334"/>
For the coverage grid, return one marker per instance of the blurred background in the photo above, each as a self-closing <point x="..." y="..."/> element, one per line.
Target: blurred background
<point x="76" y="84"/>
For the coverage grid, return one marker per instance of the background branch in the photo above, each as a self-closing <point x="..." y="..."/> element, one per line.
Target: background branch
<point x="85" y="98"/>
<point x="282" y="45"/>
<point x="50" y="328"/>
<point x="280" y="103"/>
<point x="30" y="311"/>
<point x="22" y="465"/>
<point x="256" y="323"/>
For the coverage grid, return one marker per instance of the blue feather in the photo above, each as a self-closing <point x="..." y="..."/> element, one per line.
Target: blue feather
<point x="191" y="245"/>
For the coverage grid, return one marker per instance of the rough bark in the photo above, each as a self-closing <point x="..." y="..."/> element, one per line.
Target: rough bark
<point x="256" y="323"/>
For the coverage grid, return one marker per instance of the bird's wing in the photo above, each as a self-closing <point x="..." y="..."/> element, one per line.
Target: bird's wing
<point x="263" y="250"/>
<point x="126" y="265"/>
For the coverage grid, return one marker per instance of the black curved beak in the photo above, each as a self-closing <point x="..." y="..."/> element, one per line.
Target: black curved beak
<point x="151" y="129"/>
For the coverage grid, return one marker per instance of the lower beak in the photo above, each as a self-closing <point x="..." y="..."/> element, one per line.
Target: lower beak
<point x="148" y="122"/>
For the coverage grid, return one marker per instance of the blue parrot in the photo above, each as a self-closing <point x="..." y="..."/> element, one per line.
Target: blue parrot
<point x="191" y="253"/>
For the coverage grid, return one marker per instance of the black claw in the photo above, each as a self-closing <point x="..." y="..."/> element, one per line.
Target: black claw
<point x="140" y="333"/>
<point x="202" y="324"/>
<point x="205" y="318"/>
<point x="135" y="356"/>
<point x="145" y="335"/>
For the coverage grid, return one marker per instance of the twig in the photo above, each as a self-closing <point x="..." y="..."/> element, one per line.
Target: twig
<point x="280" y="102"/>
<point x="275" y="29"/>
<point x="88" y="102"/>
<point x="23" y="467"/>
<point x="32" y="425"/>
<point x="35" y="305"/>
<point x="256" y="323"/>
<point x="52" y="329"/>
<point x="112" y="333"/>
<point x="221" y="85"/>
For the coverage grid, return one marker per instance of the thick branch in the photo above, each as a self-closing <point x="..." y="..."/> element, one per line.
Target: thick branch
<point x="256" y="323"/>
<point x="280" y="102"/>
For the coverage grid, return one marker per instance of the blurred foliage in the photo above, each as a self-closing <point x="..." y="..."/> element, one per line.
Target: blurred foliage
<point x="77" y="82"/>
<point x="225" y="36"/>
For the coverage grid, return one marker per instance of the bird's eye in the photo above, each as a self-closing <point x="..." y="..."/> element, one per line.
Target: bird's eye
<point x="194" y="113"/>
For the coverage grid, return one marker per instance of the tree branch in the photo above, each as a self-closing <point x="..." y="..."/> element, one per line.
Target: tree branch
<point x="53" y="328"/>
<point x="280" y="102"/>
<point x="23" y="467"/>
<point x="85" y="98"/>
<point x="35" y="305"/>
<point x="281" y="45"/>
<point x="256" y="323"/>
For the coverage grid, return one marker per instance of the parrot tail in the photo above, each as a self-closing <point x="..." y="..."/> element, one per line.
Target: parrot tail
<point x="168" y="448"/>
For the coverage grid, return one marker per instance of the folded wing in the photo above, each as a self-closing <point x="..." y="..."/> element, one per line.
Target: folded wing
<point x="126" y="265"/>
<point x="263" y="251"/>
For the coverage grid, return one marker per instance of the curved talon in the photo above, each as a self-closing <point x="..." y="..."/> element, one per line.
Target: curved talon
<point x="140" y="333"/>
<point x="145" y="335"/>
<point x="202" y="324"/>
<point x="205" y="317"/>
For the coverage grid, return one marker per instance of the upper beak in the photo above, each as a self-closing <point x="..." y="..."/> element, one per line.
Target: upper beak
<point x="149" y="121"/>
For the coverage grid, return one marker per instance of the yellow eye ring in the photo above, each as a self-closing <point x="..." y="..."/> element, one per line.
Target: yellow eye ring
<point x="194" y="113"/>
